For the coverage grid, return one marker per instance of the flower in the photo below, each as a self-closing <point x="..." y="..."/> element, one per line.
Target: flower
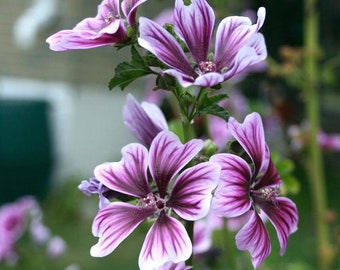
<point x="189" y="197"/>
<point x="93" y="186"/>
<point x="254" y="188"/>
<point x="107" y="28"/>
<point x="238" y="45"/>
<point x="144" y="120"/>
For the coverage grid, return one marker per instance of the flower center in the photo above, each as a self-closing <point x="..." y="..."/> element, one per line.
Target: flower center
<point x="269" y="193"/>
<point x="110" y="17"/>
<point x="205" y="67"/>
<point x="154" y="201"/>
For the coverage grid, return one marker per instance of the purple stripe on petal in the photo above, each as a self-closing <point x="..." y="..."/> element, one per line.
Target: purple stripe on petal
<point x="166" y="241"/>
<point x="129" y="8"/>
<point x="232" y="34"/>
<point x="129" y="176"/>
<point x="183" y="79"/>
<point x="209" y="79"/>
<point x="271" y="178"/>
<point x="192" y="192"/>
<point x="114" y="223"/>
<point x="250" y="134"/>
<point x="231" y="197"/>
<point x="284" y="216"/>
<point x="194" y="24"/>
<point x="144" y="121"/>
<point x="254" y="238"/>
<point x="161" y="43"/>
<point x="251" y="54"/>
<point x="168" y="156"/>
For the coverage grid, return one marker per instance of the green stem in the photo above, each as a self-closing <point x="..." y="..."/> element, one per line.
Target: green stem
<point x="315" y="161"/>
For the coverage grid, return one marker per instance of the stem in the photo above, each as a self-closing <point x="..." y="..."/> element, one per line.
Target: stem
<point x="315" y="161"/>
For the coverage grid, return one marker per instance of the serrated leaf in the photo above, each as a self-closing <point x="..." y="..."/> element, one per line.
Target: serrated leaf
<point x="209" y="105"/>
<point x="126" y="73"/>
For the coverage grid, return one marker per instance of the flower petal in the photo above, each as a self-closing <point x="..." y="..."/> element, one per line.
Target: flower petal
<point x="166" y="241"/>
<point x="284" y="216"/>
<point x="209" y="79"/>
<point x="250" y="134"/>
<point x="231" y="197"/>
<point x="192" y="191"/>
<point x="161" y="43"/>
<point x="114" y="223"/>
<point x="270" y="178"/>
<point x="232" y="34"/>
<point x="250" y="55"/>
<point x="129" y="8"/>
<point x="144" y="121"/>
<point x="168" y="156"/>
<point x="69" y="40"/>
<point x="129" y="176"/>
<point x="254" y="238"/>
<point x="194" y="24"/>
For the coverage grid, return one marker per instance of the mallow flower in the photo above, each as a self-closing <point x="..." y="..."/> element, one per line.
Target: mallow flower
<point x="253" y="188"/>
<point x="237" y="44"/>
<point x="172" y="188"/>
<point x="144" y="120"/>
<point x="107" y="28"/>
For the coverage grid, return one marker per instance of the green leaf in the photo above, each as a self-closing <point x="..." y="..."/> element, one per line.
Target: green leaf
<point x="209" y="105"/>
<point x="126" y="73"/>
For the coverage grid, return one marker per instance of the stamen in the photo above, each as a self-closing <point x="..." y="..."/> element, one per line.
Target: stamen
<point x="110" y="17"/>
<point x="154" y="201"/>
<point x="205" y="67"/>
<point x="270" y="193"/>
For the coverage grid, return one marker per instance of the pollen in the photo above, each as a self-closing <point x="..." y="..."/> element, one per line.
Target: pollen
<point x="270" y="193"/>
<point x="206" y="67"/>
<point x="110" y="17"/>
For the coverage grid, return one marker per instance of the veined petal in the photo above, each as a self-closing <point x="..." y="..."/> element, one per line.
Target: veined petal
<point x="231" y="197"/>
<point x="161" y="43"/>
<point x="254" y="238"/>
<point x="209" y="79"/>
<point x="284" y="216"/>
<point x="168" y="156"/>
<point x="192" y="191"/>
<point x="270" y="178"/>
<point x="194" y="24"/>
<point x="232" y="34"/>
<point x="145" y="121"/>
<point x="69" y="40"/>
<point x="166" y="241"/>
<point x="250" y="134"/>
<point x="183" y="79"/>
<point x="254" y="52"/>
<point x="129" y="8"/>
<point x="129" y="176"/>
<point x="106" y="21"/>
<point x="114" y="223"/>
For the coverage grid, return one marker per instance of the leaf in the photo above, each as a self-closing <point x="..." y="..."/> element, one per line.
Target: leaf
<point x="209" y="105"/>
<point x="126" y="73"/>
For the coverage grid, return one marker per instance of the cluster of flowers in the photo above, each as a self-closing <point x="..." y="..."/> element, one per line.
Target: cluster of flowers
<point x="174" y="181"/>
<point x="25" y="215"/>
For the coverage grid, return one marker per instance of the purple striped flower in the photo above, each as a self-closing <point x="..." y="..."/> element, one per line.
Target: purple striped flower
<point x="254" y="188"/>
<point x="237" y="44"/>
<point x="187" y="193"/>
<point x="107" y="28"/>
<point x="144" y="120"/>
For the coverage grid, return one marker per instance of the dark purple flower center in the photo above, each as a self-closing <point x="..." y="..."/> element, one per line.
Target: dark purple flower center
<point x="268" y="194"/>
<point x="154" y="201"/>
<point x="205" y="67"/>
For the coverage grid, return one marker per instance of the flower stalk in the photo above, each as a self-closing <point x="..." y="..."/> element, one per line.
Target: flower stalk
<point x="315" y="165"/>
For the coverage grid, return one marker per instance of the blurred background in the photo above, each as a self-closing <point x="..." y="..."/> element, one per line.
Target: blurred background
<point x="58" y="120"/>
